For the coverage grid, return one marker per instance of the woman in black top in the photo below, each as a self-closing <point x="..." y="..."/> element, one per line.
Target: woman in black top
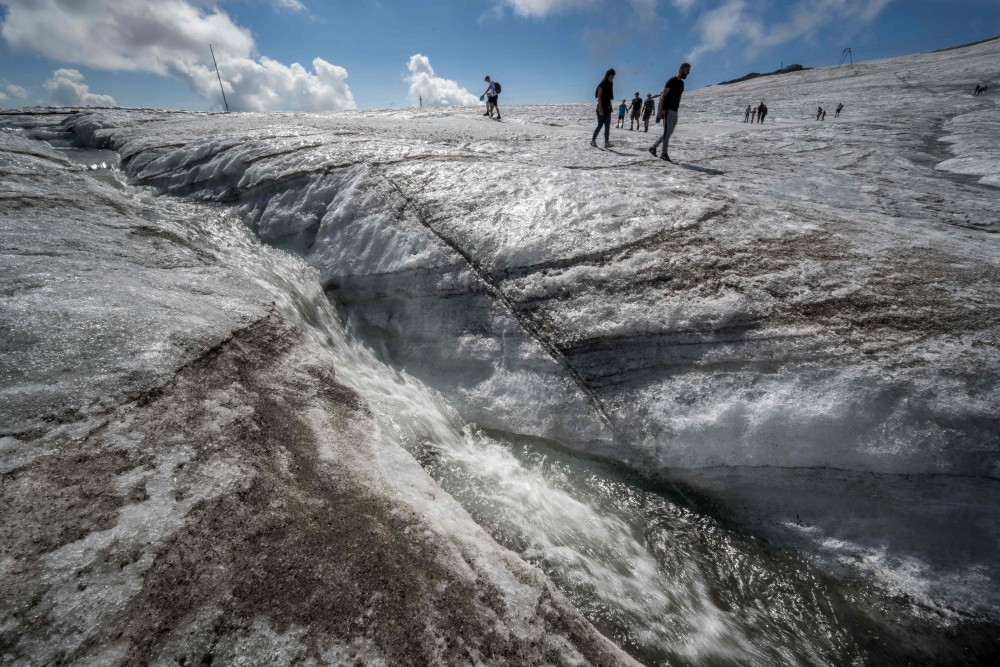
<point x="605" y="93"/>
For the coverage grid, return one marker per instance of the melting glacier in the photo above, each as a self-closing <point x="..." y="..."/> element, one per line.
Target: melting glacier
<point x="739" y="409"/>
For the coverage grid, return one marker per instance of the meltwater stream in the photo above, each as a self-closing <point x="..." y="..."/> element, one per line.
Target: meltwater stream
<point x="668" y="584"/>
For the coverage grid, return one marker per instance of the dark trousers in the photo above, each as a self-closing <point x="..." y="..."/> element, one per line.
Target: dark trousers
<point x="603" y="120"/>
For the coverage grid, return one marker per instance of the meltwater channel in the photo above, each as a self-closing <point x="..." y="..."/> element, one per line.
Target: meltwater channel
<point x="668" y="583"/>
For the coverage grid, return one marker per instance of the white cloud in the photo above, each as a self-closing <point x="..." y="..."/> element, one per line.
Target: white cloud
<point x="685" y="5"/>
<point x="541" y="8"/>
<point x="3" y="97"/>
<point x="66" y="87"/>
<point x="645" y="9"/>
<point x="434" y="90"/>
<point x="733" y="23"/>
<point x="171" y="37"/>
<point x="717" y="26"/>
<point x="16" y="90"/>
<point x="289" y="5"/>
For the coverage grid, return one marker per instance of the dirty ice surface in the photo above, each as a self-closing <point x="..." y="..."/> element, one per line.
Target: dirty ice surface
<point x="795" y="327"/>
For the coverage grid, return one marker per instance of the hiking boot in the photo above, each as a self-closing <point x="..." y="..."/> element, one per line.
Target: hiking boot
<point x="487" y="113"/>
<point x="652" y="151"/>
<point x="665" y="157"/>
<point x="593" y="142"/>
<point x="608" y="144"/>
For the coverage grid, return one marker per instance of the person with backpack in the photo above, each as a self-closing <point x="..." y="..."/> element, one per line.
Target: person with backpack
<point x="622" y="109"/>
<point x="670" y="102"/>
<point x="491" y="94"/>
<point x="604" y="93"/>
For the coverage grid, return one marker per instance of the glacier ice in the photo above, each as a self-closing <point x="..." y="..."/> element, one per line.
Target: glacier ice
<point x="795" y="328"/>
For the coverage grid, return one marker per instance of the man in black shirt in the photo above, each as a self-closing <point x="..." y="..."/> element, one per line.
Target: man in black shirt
<point x="670" y="102"/>
<point x="636" y="110"/>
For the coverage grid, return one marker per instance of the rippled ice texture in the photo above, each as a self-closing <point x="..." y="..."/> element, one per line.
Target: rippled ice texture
<point x="799" y="319"/>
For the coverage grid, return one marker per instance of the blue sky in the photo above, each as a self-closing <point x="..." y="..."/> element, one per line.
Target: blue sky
<point x="155" y="53"/>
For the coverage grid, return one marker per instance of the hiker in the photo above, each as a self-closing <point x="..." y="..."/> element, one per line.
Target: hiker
<point x="621" y="115"/>
<point x="836" y="112"/>
<point x="761" y="112"/>
<point x="753" y="115"/>
<point x="746" y="117"/>
<point x="647" y="110"/>
<point x="819" y="112"/>
<point x="824" y="115"/>
<point x="605" y="93"/>
<point x="976" y="91"/>
<point x="636" y="109"/>
<point x="492" y="91"/>
<point x="670" y="102"/>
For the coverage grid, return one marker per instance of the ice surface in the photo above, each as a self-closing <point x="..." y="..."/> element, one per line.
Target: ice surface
<point x="176" y="456"/>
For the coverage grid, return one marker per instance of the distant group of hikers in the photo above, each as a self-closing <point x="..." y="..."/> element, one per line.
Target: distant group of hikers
<point x="979" y="90"/>
<point x="638" y="106"/>
<point x="755" y="114"/>
<point x="821" y="112"/>
<point x="669" y="104"/>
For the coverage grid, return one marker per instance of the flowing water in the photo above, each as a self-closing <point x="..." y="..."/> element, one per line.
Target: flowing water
<point x="669" y="585"/>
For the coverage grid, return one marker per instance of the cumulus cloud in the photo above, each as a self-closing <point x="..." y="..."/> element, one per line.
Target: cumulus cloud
<point x="11" y="92"/>
<point x="735" y="23"/>
<point x="171" y="38"/>
<point x="66" y="88"/>
<point x="434" y="90"/>
<point x="16" y="91"/>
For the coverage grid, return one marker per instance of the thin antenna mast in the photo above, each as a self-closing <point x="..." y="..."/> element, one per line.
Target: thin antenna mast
<point x="846" y="55"/>
<point x="220" y="78"/>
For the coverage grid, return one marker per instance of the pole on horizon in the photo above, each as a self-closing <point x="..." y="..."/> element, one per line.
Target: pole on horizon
<point x="846" y="55"/>
<point x="220" y="78"/>
<point x="421" y="101"/>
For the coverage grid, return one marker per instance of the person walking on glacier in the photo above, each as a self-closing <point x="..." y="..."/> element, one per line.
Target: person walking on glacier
<point x="605" y="93"/>
<point x="636" y="109"/>
<point x="670" y="102"/>
<point x="746" y="117"/>
<point x="491" y="96"/>
<point x="647" y="110"/>
<point x="622" y="109"/>
<point x="836" y="112"/>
